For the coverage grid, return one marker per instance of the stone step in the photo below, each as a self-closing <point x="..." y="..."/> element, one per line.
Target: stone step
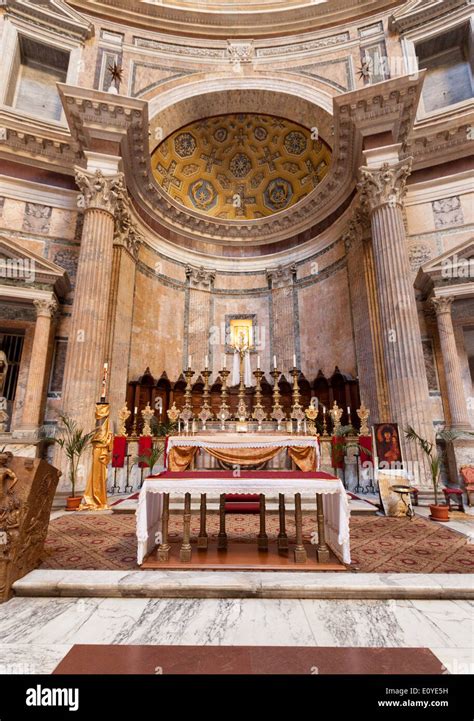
<point x="239" y="584"/>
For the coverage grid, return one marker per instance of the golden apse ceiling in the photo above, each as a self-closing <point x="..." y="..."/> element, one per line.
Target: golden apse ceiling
<point x="241" y="166"/>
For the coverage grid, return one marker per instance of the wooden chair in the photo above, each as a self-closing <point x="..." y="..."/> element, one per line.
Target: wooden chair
<point x="467" y="475"/>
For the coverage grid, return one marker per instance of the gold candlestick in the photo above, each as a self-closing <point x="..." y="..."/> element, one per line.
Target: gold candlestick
<point x="278" y="413"/>
<point x="188" y="374"/>
<point x="242" y="410"/>
<point x="147" y="415"/>
<point x="123" y="416"/>
<point x="224" y="411"/>
<point x="363" y="414"/>
<point x="206" y="374"/>
<point x="336" y="414"/>
<point x="297" y="412"/>
<point x="258" y="412"/>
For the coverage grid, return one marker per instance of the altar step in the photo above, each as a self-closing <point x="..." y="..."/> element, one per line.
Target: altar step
<point x="237" y="584"/>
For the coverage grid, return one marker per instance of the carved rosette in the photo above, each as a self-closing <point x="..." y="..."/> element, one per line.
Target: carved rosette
<point x="442" y="304"/>
<point x="99" y="191"/>
<point x="385" y="185"/>
<point x="46" y="308"/>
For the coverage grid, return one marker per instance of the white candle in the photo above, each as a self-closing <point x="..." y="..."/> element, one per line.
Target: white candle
<point x="258" y="361"/>
<point x="274" y="361"/>
<point x="348" y="410"/>
<point x="224" y="361"/>
<point x="294" y="360"/>
<point x="206" y="363"/>
<point x="189" y="361"/>
<point x="324" y="410"/>
<point x="304" y="422"/>
<point x="135" y="411"/>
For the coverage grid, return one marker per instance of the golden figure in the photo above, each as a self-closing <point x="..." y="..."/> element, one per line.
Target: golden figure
<point x="123" y="416"/>
<point x="95" y="495"/>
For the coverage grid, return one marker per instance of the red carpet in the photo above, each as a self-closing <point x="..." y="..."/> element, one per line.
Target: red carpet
<point x="379" y="544"/>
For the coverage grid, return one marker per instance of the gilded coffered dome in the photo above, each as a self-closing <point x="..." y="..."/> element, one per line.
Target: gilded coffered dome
<point x="240" y="167"/>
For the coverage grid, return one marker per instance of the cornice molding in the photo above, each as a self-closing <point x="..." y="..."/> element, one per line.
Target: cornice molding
<point x="54" y="15"/>
<point x="413" y="14"/>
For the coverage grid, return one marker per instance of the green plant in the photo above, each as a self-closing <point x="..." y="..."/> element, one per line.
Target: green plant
<point x="163" y="428"/>
<point x="74" y="442"/>
<point x="151" y="459"/>
<point x="429" y="448"/>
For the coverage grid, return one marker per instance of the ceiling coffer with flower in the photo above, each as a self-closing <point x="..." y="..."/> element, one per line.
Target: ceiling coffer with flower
<point x="241" y="166"/>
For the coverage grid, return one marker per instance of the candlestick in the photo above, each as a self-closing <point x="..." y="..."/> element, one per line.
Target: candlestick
<point x="205" y="413"/>
<point x="258" y="412"/>
<point x="224" y="412"/>
<point x="278" y="413"/>
<point x="297" y="412"/>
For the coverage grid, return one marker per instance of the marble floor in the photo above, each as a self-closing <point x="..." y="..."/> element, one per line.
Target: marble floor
<point x="36" y="633"/>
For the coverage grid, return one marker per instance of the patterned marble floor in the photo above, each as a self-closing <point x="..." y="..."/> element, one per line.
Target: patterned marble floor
<point x="36" y="633"/>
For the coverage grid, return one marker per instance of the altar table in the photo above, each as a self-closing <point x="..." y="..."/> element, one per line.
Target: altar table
<point x="331" y="504"/>
<point x="243" y="449"/>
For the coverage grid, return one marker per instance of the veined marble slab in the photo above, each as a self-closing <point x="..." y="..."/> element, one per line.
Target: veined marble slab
<point x="250" y="584"/>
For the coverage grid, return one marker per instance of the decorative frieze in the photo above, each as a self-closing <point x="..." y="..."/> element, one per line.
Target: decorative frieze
<point x="384" y="185"/>
<point x="37" y="218"/>
<point x="447" y="212"/>
<point x="240" y="52"/>
<point x="310" y="45"/>
<point x="99" y="191"/>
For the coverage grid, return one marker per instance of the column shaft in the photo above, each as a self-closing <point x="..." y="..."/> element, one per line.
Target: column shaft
<point x="33" y="405"/>
<point x="452" y="367"/>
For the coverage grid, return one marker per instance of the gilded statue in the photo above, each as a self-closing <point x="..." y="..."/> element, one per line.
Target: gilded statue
<point x="95" y="495"/>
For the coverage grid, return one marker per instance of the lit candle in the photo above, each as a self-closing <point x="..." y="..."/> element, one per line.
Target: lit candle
<point x="324" y="410"/>
<point x="258" y="361"/>
<point x="348" y="410"/>
<point x="294" y="360"/>
<point x="135" y="411"/>
<point x="206" y="364"/>
<point x="189" y="361"/>
<point x="274" y="361"/>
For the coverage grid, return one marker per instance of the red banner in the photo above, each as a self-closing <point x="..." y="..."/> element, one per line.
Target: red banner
<point x="119" y="451"/>
<point x="366" y="442"/>
<point x="145" y="444"/>
<point x="337" y="452"/>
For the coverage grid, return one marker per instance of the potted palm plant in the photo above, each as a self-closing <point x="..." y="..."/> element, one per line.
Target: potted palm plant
<point x="439" y="512"/>
<point x="150" y="459"/>
<point x="74" y="442"/>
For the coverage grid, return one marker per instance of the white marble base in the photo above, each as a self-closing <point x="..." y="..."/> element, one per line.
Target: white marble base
<point x="251" y="584"/>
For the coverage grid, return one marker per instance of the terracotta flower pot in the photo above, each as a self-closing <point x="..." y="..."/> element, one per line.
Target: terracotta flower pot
<point x="73" y="503"/>
<point x="439" y="513"/>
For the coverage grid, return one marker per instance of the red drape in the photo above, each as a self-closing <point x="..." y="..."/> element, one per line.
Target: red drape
<point x="337" y="451"/>
<point x="119" y="451"/>
<point x="144" y="449"/>
<point x="366" y="442"/>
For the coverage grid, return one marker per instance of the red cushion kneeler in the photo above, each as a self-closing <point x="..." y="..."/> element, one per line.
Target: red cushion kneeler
<point x="242" y="503"/>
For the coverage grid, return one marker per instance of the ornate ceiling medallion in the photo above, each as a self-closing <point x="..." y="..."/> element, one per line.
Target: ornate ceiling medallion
<point x="240" y="167"/>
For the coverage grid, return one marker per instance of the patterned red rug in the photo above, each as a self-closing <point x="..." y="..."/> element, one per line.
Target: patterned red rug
<point x="379" y="544"/>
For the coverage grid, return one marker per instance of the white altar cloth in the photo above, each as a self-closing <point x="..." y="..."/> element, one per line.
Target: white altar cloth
<point x="335" y="503"/>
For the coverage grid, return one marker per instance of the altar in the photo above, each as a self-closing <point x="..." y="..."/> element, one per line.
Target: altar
<point x="330" y="499"/>
<point x="242" y="449"/>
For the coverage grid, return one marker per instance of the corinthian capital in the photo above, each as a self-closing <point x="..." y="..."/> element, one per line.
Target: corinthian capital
<point x="442" y="304"/>
<point x="99" y="191"/>
<point x="385" y="185"/>
<point x="46" y="308"/>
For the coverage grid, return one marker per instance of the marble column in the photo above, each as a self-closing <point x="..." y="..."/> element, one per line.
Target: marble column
<point x="100" y="195"/>
<point x="452" y="369"/>
<point x="37" y="373"/>
<point x="382" y="190"/>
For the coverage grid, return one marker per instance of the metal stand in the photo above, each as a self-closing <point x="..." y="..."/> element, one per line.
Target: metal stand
<point x="128" y="488"/>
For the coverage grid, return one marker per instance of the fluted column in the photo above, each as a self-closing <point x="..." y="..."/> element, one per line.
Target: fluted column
<point x="37" y="372"/>
<point x="452" y="369"/>
<point x="100" y="195"/>
<point x="382" y="191"/>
